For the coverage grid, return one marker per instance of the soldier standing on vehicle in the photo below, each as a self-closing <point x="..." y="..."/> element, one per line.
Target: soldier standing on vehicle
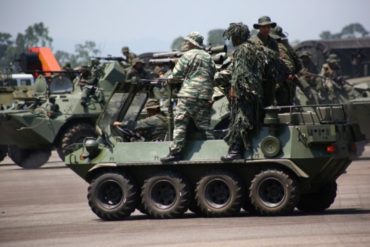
<point x="285" y="92"/>
<point x="155" y="126"/>
<point x="246" y="92"/>
<point x="263" y="37"/>
<point x="276" y="67"/>
<point x="129" y="56"/>
<point x="194" y="98"/>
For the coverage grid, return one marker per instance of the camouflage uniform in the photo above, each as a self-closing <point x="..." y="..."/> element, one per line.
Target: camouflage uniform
<point x="277" y="70"/>
<point x="129" y="56"/>
<point x="285" y="91"/>
<point x="197" y="68"/>
<point x="153" y="128"/>
<point x="137" y="71"/>
<point x="249" y="64"/>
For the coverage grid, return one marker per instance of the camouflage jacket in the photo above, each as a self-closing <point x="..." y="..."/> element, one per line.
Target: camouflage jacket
<point x="197" y="68"/>
<point x="249" y="64"/>
<point x="267" y="42"/>
<point x="289" y="57"/>
<point x="153" y="128"/>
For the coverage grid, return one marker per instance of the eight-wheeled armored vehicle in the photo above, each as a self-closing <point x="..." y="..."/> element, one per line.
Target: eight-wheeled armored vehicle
<point x="57" y="117"/>
<point x="295" y="160"/>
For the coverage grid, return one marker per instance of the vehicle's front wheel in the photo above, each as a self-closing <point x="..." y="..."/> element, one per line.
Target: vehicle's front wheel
<point x="112" y="196"/>
<point x="218" y="193"/>
<point x="273" y="192"/>
<point x="29" y="158"/>
<point x="320" y="200"/>
<point x="166" y="195"/>
<point x="74" y="134"/>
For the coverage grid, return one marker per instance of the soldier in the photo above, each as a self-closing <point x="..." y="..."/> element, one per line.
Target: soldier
<point x="246" y="92"/>
<point x="263" y="37"/>
<point x="285" y="92"/>
<point x="155" y="126"/>
<point x="137" y="70"/>
<point x="331" y="72"/>
<point x="194" y="98"/>
<point x="129" y="56"/>
<point x="308" y="80"/>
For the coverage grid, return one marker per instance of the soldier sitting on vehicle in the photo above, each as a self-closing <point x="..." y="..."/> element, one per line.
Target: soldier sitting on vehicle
<point x="154" y="127"/>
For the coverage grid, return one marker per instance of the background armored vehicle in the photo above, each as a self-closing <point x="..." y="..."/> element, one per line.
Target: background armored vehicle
<point x="295" y="160"/>
<point x="354" y="54"/>
<point x="57" y="118"/>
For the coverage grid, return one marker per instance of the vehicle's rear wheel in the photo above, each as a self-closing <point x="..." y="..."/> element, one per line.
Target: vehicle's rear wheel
<point x="166" y="195"/>
<point x="29" y="158"/>
<point x="3" y="152"/>
<point x="319" y="201"/>
<point x="219" y="193"/>
<point x="74" y="134"/>
<point x="112" y="196"/>
<point x="273" y="192"/>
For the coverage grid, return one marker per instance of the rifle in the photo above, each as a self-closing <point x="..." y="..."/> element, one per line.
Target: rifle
<point x="110" y="58"/>
<point x="172" y="56"/>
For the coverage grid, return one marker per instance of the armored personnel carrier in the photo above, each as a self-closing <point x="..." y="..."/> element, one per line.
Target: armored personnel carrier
<point x="295" y="161"/>
<point x="57" y="117"/>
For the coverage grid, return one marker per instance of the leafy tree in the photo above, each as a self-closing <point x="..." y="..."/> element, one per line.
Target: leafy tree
<point x="177" y="43"/>
<point x="37" y="35"/>
<point x="64" y="57"/>
<point x="85" y="51"/>
<point x="354" y="30"/>
<point x="350" y="31"/>
<point x="215" y="37"/>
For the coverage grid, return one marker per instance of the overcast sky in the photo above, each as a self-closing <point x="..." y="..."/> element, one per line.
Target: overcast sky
<point x="146" y="25"/>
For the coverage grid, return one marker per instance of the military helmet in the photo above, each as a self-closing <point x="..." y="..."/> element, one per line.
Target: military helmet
<point x="152" y="104"/>
<point x="333" y="58"/>
<point x="264" y="21"/>
<point x="277" y="33"/>
<point x="195" y="38"/>
<point x="137" y="61"/>
<point x="125" y="49"/>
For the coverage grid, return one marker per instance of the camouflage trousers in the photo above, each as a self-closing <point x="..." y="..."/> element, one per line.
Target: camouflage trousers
<point x="187" y="109"/>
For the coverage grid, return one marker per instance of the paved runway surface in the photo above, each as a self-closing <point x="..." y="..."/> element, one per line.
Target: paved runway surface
<point x="48" y="207"/>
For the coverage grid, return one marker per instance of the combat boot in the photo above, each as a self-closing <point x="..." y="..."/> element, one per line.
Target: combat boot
<point x="234" y="153"/>
<point x="174" y="155"/>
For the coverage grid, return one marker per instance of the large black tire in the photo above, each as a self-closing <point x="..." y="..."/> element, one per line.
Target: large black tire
<point x="273" y="192"/>
<point x="29" y="158"/>
<point x="3" y="152"/>
<point x="74" y="134"/>
<point x="319" y="201"/>
<point x="219" y="193"/>
<point x="112" y="196"/>
<point x="166" y="195"/>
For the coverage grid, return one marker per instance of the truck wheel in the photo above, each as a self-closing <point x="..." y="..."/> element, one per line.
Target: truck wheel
<point x="112" y="196"/>
<point x="219" y="194"/>
<point x="75" y="134"/>
<point x="319" y="201"/>
<point x="273" y="192"/>
<point x="29" y="158"/>
<point x="3" y="152"/>
<point x="165" y="195"/>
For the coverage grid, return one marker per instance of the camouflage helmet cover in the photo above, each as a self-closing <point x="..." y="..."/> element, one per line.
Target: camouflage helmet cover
<point x="237" y="31"/>
<point x="152" y="104"/>
<point x="125" y="49"/>
<point x="195" y="38"/>
<point x="277" y="33"/>
<point x="333" y="58"/>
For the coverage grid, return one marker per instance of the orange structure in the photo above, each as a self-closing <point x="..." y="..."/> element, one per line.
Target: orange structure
<point x="46" y="57"/>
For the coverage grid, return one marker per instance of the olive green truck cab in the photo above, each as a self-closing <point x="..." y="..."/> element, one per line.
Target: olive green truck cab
<point x="295" y="160"/>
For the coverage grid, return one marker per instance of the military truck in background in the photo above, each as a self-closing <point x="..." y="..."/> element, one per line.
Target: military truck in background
<point x="56" y="118"/>
<point x="295" y="160"/>
<point x="354" y="54"/>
